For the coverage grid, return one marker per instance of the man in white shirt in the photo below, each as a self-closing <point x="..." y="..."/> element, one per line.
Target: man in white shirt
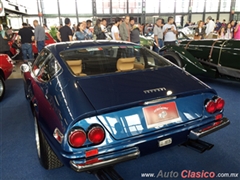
<point x="209" y="28"/>
<point x="169" y="32"/>
<point x="115" y="30"/>
<point x="87" y="25"/>
<point x="158" y="35"/>
<point x="104" y="25"/>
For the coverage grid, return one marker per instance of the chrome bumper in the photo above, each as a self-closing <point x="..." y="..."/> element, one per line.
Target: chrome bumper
<point x="198" y="133"/>
<point x="105" y="161"/>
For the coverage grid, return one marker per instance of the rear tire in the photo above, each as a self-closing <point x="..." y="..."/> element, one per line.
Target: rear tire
<point x="46" y="156"/>
<point x="174" y="58"/>
<point x="2" y="87"/>
<point x="27" y="90"/>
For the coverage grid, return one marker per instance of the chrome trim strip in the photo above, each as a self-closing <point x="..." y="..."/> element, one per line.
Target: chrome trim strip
<point x="104" y="163"/>
<point x="56" y="100"/>
<point x="159" y="100"/>
<point x="195" y="134"/>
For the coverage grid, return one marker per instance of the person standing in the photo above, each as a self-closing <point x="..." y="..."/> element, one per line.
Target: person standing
<point x="135" y="32"/>
<point x="27" y="37"/>
<point x="228" y="34"/>
<point x="80" y="34"/>
<point x="218" y="25"/>
<point x="221" y="33"/>
<point x="209" y="28"/>
<point x="124" y="29"/>
<point x="74" y="28"/>
<point x="115" y="31"/>
<point x="224" y="23"/>
<point x="65" y="32"/>
<point x="39" y="35"/>
<point x="232" y="22"/>
<point x="100" y="34"/>
<point x="169" y="32"/>
<point x="158" y="35"/>
<point x="104" y="25"/>
<point x="4" y="38"/>
<point x="199" y="31"/>
<point x="237" y="31"/>
<point x="145" y="29"/>
<point x="87" y="26"/>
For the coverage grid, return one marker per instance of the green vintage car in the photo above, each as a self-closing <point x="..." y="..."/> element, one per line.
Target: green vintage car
<point x="146" y="41"/>
<point x="219" y="58"/>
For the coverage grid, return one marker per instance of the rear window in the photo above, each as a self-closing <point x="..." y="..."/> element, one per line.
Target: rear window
<point x="111" y="59"/>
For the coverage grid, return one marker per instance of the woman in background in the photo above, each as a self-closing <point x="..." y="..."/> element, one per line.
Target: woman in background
<point x="233" y="24"/>
<point x="199" y="31"/>
<point x="100" y="34"/>
<point x="229" y="34"/>
<point x="221" y="33"/>
<point x="237" y="31"/>
<point x="80" y="34"/>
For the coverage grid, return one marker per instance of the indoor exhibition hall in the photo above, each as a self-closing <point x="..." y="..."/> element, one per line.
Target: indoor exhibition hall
<point x="119" y="89"/>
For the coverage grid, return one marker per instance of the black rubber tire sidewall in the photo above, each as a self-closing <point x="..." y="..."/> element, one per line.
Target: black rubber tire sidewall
<point x="47" y="157"/>
<point x="3" y="83"/>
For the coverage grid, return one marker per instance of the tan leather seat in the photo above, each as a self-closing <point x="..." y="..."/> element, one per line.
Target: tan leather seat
<point x="76" y="67"/>
<point x="125" y="64"/>
<point x="139" y="66"/>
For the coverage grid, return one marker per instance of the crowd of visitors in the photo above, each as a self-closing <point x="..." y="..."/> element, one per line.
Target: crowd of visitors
<point x="223" y="30"/>
<point x="125" y="29"/>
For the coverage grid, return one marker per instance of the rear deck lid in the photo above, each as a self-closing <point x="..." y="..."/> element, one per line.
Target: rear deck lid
<point x="116" y="91"/>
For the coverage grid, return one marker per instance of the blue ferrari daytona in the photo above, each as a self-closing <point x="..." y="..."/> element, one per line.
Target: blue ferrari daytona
<point x="98" y="103"/>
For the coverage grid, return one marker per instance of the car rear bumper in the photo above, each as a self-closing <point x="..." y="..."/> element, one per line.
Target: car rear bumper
<point x="100" y="161"/>
<point x="133" y="149"/>
<point x="210" y="128"/>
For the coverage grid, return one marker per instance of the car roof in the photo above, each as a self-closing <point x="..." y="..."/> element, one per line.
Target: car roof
<point x="87" y="44"/>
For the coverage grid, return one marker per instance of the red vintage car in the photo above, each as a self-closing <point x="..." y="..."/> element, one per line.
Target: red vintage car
<point x="16" y="50"/>
<point x="6" y="68"/>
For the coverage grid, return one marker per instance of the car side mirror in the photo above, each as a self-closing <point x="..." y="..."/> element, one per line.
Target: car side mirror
<point x="24" y="68"/>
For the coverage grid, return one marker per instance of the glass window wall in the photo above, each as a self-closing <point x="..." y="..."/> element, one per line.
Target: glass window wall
<point x="167" y="6"/>
<point x="212" y="5"/>
<point x="84" y="7"/>
<point x="135" y="6"/>
<point x="182" y="6"/>
<point x="119" y="6"/>
<point x="225" y="6"/>
<point x="103" y="6"/>
<point x="67" y="6"/>
<point x="50" y="7"/>
<point x="197" y="5"/>
<point x="237" y="6"/>
<point x="152" y="6"/>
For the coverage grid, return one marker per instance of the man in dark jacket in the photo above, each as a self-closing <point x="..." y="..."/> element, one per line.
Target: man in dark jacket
<point x="27" y="37"/>
<point x="4" y="38"/>
<point x="135" y="32"/>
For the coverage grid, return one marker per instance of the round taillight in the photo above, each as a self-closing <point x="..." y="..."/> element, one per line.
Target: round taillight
<point x="210" y="106"/>
<point x="219" y="103"/>
<point x="77" y="138"/>
<point x="96" y="134"/>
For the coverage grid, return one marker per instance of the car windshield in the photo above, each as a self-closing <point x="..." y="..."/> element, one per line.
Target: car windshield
<point x="111" y="59"/>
